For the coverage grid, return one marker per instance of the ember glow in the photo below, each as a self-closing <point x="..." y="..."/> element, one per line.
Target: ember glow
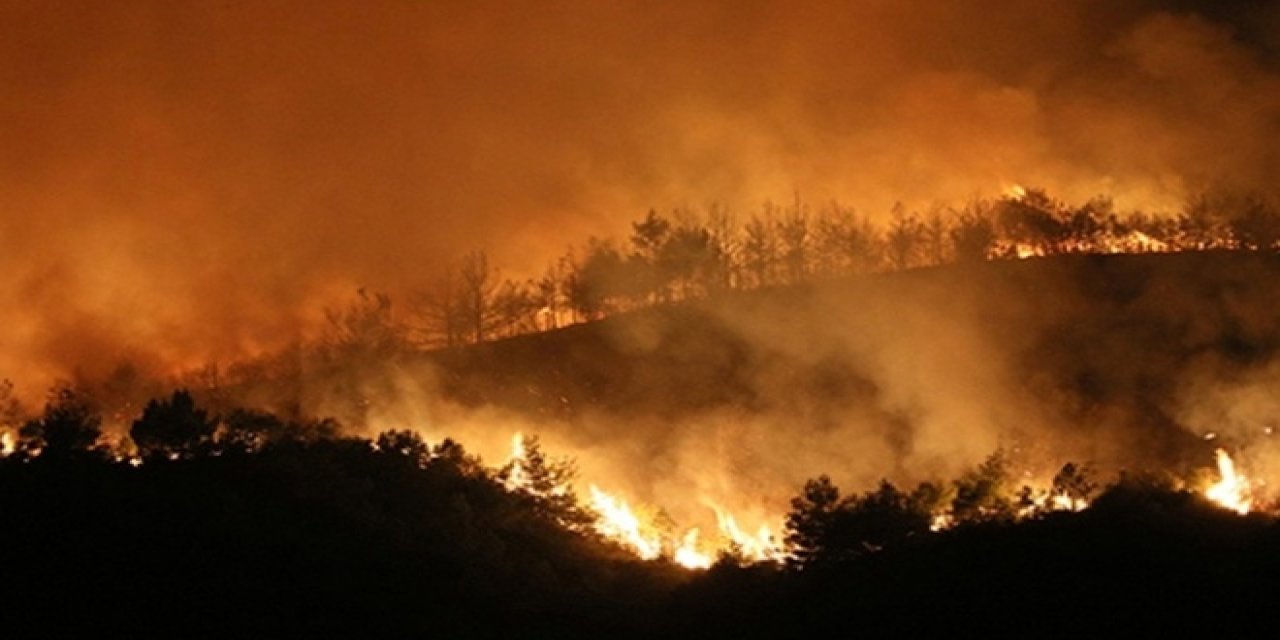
<point x="1232" y="490"/>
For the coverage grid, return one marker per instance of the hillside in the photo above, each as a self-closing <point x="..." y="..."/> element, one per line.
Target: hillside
<point x="1119" y="354"/>
<point x="1136" y="366"/>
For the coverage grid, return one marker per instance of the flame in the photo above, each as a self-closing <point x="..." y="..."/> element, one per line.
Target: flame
<point x="1232" y="491"/>
<point x="1063" y="502"/>
<point x="687" y="554"/>
<point x="1015" y="191"/>
<point x="1132" y="242"/>
<point x="758" y="547"/>
<point x="7" y="444"/>
<point x="619" y="523"/>
<point x="518" y="476"/>
<point x="941" y="522"/>
<point x="1024" y="251"/>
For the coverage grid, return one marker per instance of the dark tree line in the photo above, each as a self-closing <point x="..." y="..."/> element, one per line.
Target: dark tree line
<point x="825" y="528"/>
<point x="251" y="521"/>
<point x="685" y="255"/>
<point x="822" y="526"/>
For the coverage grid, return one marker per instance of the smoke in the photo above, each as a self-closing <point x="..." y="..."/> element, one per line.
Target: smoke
<point x="194" y="181"/>
<point x="1122" y="363"/>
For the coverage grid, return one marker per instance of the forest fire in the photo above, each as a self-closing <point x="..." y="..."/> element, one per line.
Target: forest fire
<point x="761" y="546"/>
<point x="924" y="342"/>
<point x="615" y="519"/>
<point x="517" y="477"/>
<point x="640" y="532"/>
<point x="1232" y="490"/>
<point x="688" y="554"/>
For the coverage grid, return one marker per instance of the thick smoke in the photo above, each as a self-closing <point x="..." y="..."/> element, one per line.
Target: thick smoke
<point x="192" y="181"/>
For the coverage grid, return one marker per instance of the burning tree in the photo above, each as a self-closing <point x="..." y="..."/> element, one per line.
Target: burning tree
<point x="547" y="481"/>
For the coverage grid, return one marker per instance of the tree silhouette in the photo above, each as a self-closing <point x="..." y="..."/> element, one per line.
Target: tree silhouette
<point x="364" y="328"/>
<point x="984" y="494"/>
<point x="972" y="234"/>
<point x="876" y="519"/>
<point x="407" y="444"/>
<point x="759" y="251"/>
<point x="518" y="306"/>
<point x="479" y="286"/>
<point x="68" y="428"/>
<point x="547" y="481"/>
<point x="648" y="235"/>
<point x="687" y="259"/>
<point x="10" y="408"/>
<point x="1255" y="223"/>
<point x="246" y="430"/>
<point x="1075" y="483"/>
<point x="823" y="528"/>
<point x="1034" y="220"/>
<point x="796" y="239"/>
<point x="811" y="519"/>
<point x="173" y="428"/>
<point x="905" y="238"/>
<point x="603" y="277"/>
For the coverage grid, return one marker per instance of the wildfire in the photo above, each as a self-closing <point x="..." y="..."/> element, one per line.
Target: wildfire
<point x="1134" y="242"/>
<point x="619" y="523"/>
<point x="7" y="444"/>
<point x="517" y="478"/>
<point x="1232" y="490"/>
<point x="687" y="554"/>
<point x="1014" y="192"/>
<point x="1063" y="502"/>
<point x="941" y="522"/>
<point x="1024" y="251"/>
<point x="758" y="547"/>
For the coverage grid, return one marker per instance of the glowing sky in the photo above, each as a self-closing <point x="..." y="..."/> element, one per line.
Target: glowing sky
<point x="189" y="179"/>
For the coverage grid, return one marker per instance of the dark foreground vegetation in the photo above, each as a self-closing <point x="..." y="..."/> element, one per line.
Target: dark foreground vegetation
<point x="258" y="528"/>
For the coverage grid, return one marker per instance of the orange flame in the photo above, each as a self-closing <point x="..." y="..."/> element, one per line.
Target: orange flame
<point x="618" y="522"/>
<point x="758" y="547"/>
<point x="1232" y="490"/>
<point x="517" y="477"/>
<point x="687" y="554"/>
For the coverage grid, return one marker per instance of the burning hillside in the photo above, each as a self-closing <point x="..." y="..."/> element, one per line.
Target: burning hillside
<point x="637" y="319"/>
<point x="983" y="391"/>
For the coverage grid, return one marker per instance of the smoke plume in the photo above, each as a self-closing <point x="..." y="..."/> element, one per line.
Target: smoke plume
<point x="192" y="181"/>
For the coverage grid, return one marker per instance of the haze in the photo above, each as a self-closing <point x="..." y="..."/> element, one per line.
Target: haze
<point x="190" y="181"/>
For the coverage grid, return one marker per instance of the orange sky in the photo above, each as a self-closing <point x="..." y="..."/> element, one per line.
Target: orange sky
<point x="180" y="181"/>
